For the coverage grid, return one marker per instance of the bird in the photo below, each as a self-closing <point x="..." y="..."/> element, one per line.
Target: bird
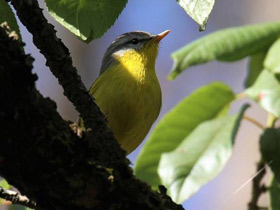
<point x="127" y="89"/>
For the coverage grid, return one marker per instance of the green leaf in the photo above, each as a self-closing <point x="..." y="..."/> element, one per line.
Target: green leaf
<point x="225" y="45"/>
<point x="200" y="157"/>
<point x="204" y="104"/>
<point x="198" y="10"/>
<point x="270" y="150"/>
<point x="18" y="207"/>
<point x="87" y="19"/>
<point x="6" y="14"/>
<point x="255" y="67"/>
<point x="272" y="61"/>
<point x="266" y="91"/>
<point x="4" y="184"/>
<point x="274" y="193"/>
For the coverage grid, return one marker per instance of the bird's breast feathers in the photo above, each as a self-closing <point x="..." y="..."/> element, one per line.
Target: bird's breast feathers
<point x="130" y="104"/>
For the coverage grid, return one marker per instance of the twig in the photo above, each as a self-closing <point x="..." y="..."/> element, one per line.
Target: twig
<point x="255" y="122"/>
<point x="257" y="188"/>
<point x="16" y="198"/>
<point x="241" y="96"/>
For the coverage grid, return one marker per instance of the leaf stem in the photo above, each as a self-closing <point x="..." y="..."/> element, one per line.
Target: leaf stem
<point x="271" y="120"/>
<point x="255" y="122"/>
<point x="241" y="96"/>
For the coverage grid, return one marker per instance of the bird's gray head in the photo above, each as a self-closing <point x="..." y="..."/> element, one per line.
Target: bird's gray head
<point x="134" y="40"/>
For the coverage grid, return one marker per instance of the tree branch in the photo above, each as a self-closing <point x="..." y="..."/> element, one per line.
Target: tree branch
<point x="16" y="198"/>
<point x="40" y="154"/>
<point x="60" y="63"/>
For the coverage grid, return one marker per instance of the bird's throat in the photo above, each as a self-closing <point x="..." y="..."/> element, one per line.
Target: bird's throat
<point x="138" y="65"/>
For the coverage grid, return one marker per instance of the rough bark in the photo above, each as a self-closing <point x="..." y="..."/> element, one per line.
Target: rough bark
<point x="39" y="154"/>
<point x="16" y="198"/>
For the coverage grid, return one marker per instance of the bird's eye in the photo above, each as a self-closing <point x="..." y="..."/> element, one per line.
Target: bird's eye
<point x="134" y="41"/>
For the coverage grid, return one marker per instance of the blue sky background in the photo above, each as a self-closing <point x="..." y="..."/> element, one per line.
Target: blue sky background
<point x="156" y="16"/>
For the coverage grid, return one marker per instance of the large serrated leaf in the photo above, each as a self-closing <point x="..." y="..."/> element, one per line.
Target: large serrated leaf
<point x="274" y="194"/>
<point x="198" y="10"/>
<point x="87" y="19"/>
<point x="270" y="150"/>
<point x="255" y="67"/>
<point x="6" y="14"/>
<point x="225" y="45"/>
<point x="272" y="61"/>
<point x="204" y="104"/>
<point x="266" y="91"/>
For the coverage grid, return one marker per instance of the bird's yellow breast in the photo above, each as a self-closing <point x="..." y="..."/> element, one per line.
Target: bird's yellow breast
<point x="129" y="95"/>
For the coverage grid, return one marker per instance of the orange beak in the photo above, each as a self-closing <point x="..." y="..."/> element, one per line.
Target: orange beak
<point x="161" y="35"/>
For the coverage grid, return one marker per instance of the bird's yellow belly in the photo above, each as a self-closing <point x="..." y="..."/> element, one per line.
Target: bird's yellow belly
<point x="131" y="108"/>
<point x="134" y="118"/>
